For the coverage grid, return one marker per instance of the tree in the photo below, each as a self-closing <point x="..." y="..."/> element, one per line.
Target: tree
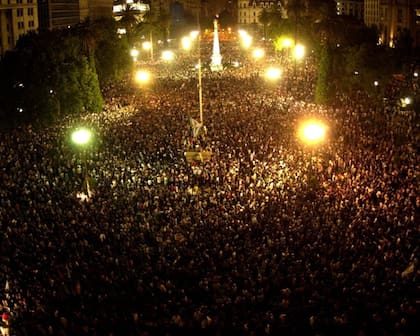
<point x="112" y="59"/>
<point x="52" y="76"/>
<point x="323" y="92"/>
<point x="129" y="20"/>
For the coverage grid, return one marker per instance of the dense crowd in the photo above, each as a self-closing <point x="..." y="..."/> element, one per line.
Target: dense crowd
<point x="269" y="237"/>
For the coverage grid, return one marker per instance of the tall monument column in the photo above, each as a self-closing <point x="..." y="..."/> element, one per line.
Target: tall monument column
<point x="216" y="58"/>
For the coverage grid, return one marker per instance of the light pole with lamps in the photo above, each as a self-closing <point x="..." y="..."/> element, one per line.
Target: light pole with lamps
<point x="312" y="133"/>
<point x="82" y="137"/>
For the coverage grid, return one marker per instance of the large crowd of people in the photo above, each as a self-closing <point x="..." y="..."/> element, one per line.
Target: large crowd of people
<point x="268" y="237"/>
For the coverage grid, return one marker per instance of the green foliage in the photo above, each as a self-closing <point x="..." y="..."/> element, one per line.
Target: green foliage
<point x="364" y="64"/>
<point x="49" y="76"/>
<point x="112" y="52"/>
<point x="323" y="92"/>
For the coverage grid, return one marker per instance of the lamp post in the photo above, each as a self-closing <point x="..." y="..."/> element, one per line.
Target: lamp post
<point x="142" y="77"/>
<point x="134" y="54"/>
<point x="312" y="133"/>
<point x="81" y="137"/>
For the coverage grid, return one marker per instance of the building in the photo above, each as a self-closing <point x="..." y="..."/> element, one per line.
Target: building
<point x="392" y="17"/>
<point x="58" y="14"/>
<point x="249" y="11"/>
<point x="137" y="7"/>
<point x="17" y="17"/>
<point x="353" y="8"/>
<point x="416" y="23"/>
<point x="396" y="17"/>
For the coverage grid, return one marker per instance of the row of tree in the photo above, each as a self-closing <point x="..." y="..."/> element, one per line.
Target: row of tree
<point x="347" y="51"/>
<point x="51" y="74"/>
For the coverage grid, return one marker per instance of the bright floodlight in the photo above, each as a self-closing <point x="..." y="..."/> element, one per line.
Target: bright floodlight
<point x="312" y="132"/>
<point x="242" y="33"/>
<point x="186" y="43"/>
<point x="134" y="52"/>
<point x="273" y="73"/>
<point x="81" y="136"/>
<point x="194" y="34"/>
<point x="258" y="53"/>
<point x="299" y="51"/>
<point x="168" y="55"/>
<point x="287" y="43"/>
<point x="142" y="76"/>
<point x="147" y="45"/>
<point x="246" y="39"/>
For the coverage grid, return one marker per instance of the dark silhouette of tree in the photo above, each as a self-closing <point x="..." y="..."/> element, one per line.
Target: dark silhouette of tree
<point x="129" y="20"/>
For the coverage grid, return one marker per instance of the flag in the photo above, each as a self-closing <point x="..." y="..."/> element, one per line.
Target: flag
<point x="196" y="127"/>
<point x="408" y="270"/>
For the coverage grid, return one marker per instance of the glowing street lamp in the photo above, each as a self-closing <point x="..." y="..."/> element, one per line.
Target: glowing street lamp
<point x="258" y="53"/>
<point x="146" y="45"/>
<point x="194" y="34"/>
<point x="287" y="43"/>
<point x="273" y="73"/>
<point x="299" y="52"/>
<point x="134" y="53"/>
<point x="246" y="39"/>
<point x="312" y="132"/>
<point x="168" y="55"/>
<point x="142" y="76"/>
<point x="186" y="43"/>
<point x="82" y="137"/>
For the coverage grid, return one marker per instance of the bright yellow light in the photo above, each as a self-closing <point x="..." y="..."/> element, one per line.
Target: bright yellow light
<point x="273" y="73"/>
<point x="81" y="136"/>
<point x="258" y="53"/>
<point x="287" y="43"/>
<point x="186" y="43"/>
<point x="242" y="33"/>
<point x="194" y="34"/>
<point x="168" y="55"/>
<point x="134" y="52"/>
<point x="299" y="51"/>
<point x="246" y="41"/>
<point x="312" y="132"/>
<point x="142" y="76"/>
<point x="147" y="45"/>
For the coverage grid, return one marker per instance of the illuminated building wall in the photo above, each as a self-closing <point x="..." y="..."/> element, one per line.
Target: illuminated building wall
<point x="17" y="17"/>
<point x="56" y="14"/>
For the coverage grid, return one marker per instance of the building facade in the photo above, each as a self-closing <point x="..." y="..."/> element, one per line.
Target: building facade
<point x="58" y="14"/>
<point x="397" y="17"/>
<point x="249" y="11"/>
<point x="17" y="17"/>
<point x="353" y="8"/>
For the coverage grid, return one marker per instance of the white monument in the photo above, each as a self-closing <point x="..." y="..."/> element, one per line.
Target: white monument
<point x="216" y="58"/>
